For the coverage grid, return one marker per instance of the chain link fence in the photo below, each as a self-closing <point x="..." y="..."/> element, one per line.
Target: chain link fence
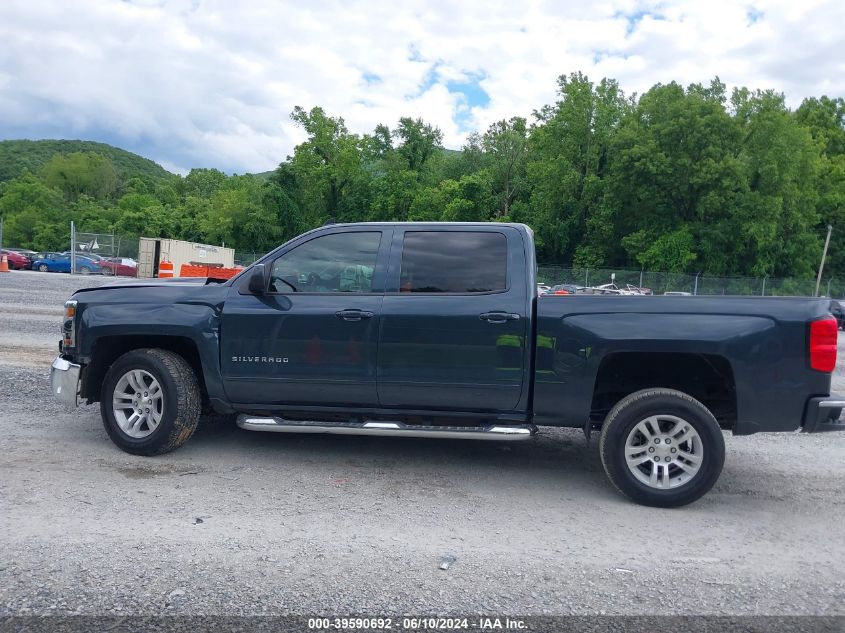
<point x="700" y="284"/>
<point x="111" y="245"/>
<point x="247" y="258"/>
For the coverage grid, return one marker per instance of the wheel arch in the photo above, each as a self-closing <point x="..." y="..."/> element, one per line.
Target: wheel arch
<point x="107" y="349"/>
<point x="709" y="378"/>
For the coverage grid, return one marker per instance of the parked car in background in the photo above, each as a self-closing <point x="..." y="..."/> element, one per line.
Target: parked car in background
<point x="60" y="262"/>
<point x="563" y="289"/>
<point x="23" y="251"/>
<point x="91" y="256"/>
<point x="837" y="309"/>
<point x="542" y="288"/>
<point x="120" y="266"/>
<point x="570" y="289"/>
<point x="17" y="261"/>
<point x="607" y="289"/>
<point x="677" y="293"/>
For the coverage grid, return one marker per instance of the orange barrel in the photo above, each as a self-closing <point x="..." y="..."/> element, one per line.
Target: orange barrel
<point x="4" y="264"/>
<point x="165" y="269"/>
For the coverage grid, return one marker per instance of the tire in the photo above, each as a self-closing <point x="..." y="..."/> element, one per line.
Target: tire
<point x="84" y="270"/>
<point x="178" y="409"/>
<point x="44" y="268"/>
<point x="107" y="271"/>
<point x="698" y="444"/>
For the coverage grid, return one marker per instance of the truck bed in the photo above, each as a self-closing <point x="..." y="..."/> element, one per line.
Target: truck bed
<point x="748" y="354"/>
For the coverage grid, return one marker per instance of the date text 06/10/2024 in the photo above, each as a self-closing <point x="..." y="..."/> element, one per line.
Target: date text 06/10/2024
<point x="417" y="623"/>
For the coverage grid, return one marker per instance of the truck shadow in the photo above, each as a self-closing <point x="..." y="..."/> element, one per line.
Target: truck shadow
<point x="557" y="460"/>
<point x="554" y="458"/>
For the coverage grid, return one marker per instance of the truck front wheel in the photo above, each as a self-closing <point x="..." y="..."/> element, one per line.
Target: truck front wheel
<point x="150" y="401"/>
<point x="662" y="448"/>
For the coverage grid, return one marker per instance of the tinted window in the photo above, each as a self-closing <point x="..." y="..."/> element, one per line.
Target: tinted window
<point x="343" y="262"/>
<point x="453" y="261"/>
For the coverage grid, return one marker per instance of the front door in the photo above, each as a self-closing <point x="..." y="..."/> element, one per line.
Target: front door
<point x="455" y="320"/>
<point x="312" y="339"/>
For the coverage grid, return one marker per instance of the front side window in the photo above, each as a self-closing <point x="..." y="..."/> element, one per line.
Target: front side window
<point x="454" y="261"/>
<point x="342" y="262"/>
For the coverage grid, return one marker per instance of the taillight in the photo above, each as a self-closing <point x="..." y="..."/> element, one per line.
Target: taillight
<point x="823" y="344"/>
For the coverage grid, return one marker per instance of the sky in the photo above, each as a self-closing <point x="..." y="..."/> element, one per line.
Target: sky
<point x="195" y="83"/>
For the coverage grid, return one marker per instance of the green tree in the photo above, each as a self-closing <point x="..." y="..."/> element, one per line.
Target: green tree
<point x="143" y="214"/>
<point x="204" y="182"/>
<point x="568" y="170"/>
<point x="81" y="173"/>
<point x="33" y="214"/>
<point x="418" y="142"/>
<point x="674" y="167"/>
<point x="326" y="166"/>
<point x="469" y="199"/>
<point x="671" y="252"/>
<point x="776" y="214"/>
<point x="824" y="118"/>
<point x="506" y="144"/>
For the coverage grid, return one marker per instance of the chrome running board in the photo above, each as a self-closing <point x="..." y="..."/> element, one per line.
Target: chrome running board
<point x="493" y="432"/>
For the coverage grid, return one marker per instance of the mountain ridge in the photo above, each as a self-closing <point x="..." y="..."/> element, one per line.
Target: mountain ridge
<point x="16" y="155"/>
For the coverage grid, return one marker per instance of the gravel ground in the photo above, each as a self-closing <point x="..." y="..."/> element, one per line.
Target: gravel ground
<point x="249" y="523"/>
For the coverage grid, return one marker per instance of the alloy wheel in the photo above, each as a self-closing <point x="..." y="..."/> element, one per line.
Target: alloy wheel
<point x="138" y="403"/>
<point x="664" y="451"/>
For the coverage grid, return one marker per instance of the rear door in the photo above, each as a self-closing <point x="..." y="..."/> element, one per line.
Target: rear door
<point x="455" y="322"/>
<point x="312" y="338"/>
<point x="60" y="263"/>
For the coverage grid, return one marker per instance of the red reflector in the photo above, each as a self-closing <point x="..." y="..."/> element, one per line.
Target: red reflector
<point x="823" y="344"/>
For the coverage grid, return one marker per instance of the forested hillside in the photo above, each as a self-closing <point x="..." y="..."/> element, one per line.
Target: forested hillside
<point x="677" y="179"/>
<point x="16" y="156"/>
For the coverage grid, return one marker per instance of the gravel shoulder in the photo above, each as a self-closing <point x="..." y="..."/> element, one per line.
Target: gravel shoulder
<point x="249" y="523"/>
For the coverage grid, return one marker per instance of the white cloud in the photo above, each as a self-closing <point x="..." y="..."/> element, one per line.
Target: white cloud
<point x="212" y="83"/>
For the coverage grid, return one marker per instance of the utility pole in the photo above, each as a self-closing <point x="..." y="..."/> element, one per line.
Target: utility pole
<point x="764" y="285"/>
<point x="828" y="286"/>
<point x="695" y="289"/>
<point x="72" y="248"/>
<point x="824" y="256"/>
<point x="1" y="232"/>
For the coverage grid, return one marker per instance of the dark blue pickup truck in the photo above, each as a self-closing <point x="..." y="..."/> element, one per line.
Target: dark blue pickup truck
<point x="436" y="330"/>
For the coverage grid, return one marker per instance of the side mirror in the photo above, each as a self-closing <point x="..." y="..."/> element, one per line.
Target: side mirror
<point x="257" y="281"/>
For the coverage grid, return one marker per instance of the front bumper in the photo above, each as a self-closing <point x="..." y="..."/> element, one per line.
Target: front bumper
<point x="822" y="414"/>
<point x="64" y="381"/>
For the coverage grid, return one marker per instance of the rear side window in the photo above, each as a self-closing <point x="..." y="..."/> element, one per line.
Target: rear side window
<point x="454" y="261"/>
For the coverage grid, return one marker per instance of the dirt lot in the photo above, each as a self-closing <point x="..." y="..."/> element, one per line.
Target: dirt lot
<point x="248" y="523"/>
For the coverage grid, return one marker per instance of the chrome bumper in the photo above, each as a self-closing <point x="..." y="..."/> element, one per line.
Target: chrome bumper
<point x="64" y="381"/>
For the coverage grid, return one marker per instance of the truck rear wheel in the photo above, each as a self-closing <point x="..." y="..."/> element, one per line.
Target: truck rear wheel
<point x="662" y="448"/>
<point x="150" y="401"/>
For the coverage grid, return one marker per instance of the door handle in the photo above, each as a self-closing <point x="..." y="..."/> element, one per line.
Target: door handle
<point x="498" y="317"/>
<point x="353" y="315"/>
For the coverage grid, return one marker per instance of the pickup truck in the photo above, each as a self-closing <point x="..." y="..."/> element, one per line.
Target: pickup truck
<point x="436" y="330"/>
